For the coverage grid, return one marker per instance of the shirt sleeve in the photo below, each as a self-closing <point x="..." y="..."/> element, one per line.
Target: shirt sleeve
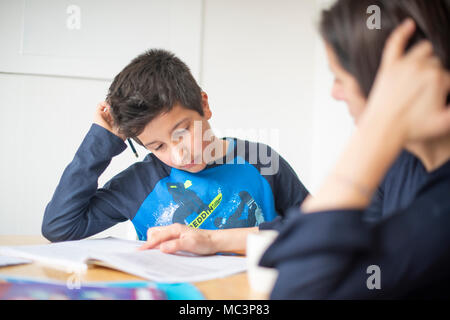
<point x="289" y="192"/>
<point x="78" y="209"/>
<point x="335" y="254"/>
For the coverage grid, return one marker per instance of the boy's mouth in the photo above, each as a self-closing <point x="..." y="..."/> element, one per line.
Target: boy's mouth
<point x="189" y="165"/>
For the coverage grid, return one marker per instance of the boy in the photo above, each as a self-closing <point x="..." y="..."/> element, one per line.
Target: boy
<point x="190" y="177"/>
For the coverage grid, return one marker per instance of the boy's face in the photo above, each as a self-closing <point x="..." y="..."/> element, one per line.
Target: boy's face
<point x="177" y="137"/>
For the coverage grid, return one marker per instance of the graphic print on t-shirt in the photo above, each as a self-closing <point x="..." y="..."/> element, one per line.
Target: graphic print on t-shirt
<point x="221" y="197"/>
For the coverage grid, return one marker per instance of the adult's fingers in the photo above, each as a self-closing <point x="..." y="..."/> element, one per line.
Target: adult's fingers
<point x="397" y="41"/>
<point x="435" y="62"/>
<point x="422" y="50"/>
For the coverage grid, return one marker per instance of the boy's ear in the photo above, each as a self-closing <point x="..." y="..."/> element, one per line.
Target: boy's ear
<point x="205" y="105"/>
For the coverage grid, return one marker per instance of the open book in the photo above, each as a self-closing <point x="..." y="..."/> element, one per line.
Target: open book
<point x="123" y="255"/>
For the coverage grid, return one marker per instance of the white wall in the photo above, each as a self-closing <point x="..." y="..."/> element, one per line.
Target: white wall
<point x="262" y="65"/>
<point x="258" y="71"/>
<point x="331" y="123"/>
<point x="42" y="123"/>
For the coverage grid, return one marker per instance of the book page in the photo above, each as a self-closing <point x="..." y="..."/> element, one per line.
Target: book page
<point x="171" y="268"/>
<point x="69" y="256"/>
<point x="11" y="261"/>
<point x="73" y="256"/>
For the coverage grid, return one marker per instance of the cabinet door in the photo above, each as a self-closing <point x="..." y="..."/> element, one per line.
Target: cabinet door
<point x="95" y="38"/>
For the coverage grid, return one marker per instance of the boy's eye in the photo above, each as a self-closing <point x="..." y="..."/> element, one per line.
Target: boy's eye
<point x="158" y="147"/>
<point x="180" y="132"/>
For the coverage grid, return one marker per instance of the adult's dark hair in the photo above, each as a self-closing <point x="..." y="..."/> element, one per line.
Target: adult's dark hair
<point x="151" y="84"/>
<point x="359" y="49"/>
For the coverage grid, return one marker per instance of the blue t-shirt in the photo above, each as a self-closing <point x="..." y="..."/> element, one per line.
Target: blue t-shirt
<point x="250" y="186"/>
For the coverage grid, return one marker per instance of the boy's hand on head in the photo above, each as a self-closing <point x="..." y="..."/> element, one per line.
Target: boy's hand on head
<point x="104" y="119"/>
<point x="179" y="237"/>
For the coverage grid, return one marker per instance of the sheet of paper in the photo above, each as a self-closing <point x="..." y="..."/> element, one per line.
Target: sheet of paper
<point x="11" y="261"/>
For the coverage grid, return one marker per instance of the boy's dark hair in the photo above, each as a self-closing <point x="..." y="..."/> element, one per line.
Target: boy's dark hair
<point x="359" y="49"/>
<point x="151" y="84"/>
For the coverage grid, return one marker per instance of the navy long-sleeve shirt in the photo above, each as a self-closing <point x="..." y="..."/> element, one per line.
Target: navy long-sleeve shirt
<point x="398" y="188"/>
<point x="249" y="187"/>
<point x="326" y="255"/>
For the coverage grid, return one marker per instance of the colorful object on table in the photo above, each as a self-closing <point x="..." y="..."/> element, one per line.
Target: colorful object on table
<point x="41" y="291"/>
<point x="27" y="288"/>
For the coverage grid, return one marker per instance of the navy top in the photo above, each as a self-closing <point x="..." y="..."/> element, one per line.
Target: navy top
<point x="248" y="187"/>
<point x="328" y="255"/>
<point x="399" y="187"/>
<point x="395" y="192"/>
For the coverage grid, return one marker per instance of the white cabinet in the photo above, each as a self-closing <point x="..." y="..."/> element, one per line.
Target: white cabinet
<point x="95" y="38"/>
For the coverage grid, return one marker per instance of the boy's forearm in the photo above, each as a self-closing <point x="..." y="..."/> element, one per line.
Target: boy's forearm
<point x="231" y="240"/>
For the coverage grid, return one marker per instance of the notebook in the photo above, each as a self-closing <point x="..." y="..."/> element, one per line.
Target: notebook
<point x="78" y="256"/>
